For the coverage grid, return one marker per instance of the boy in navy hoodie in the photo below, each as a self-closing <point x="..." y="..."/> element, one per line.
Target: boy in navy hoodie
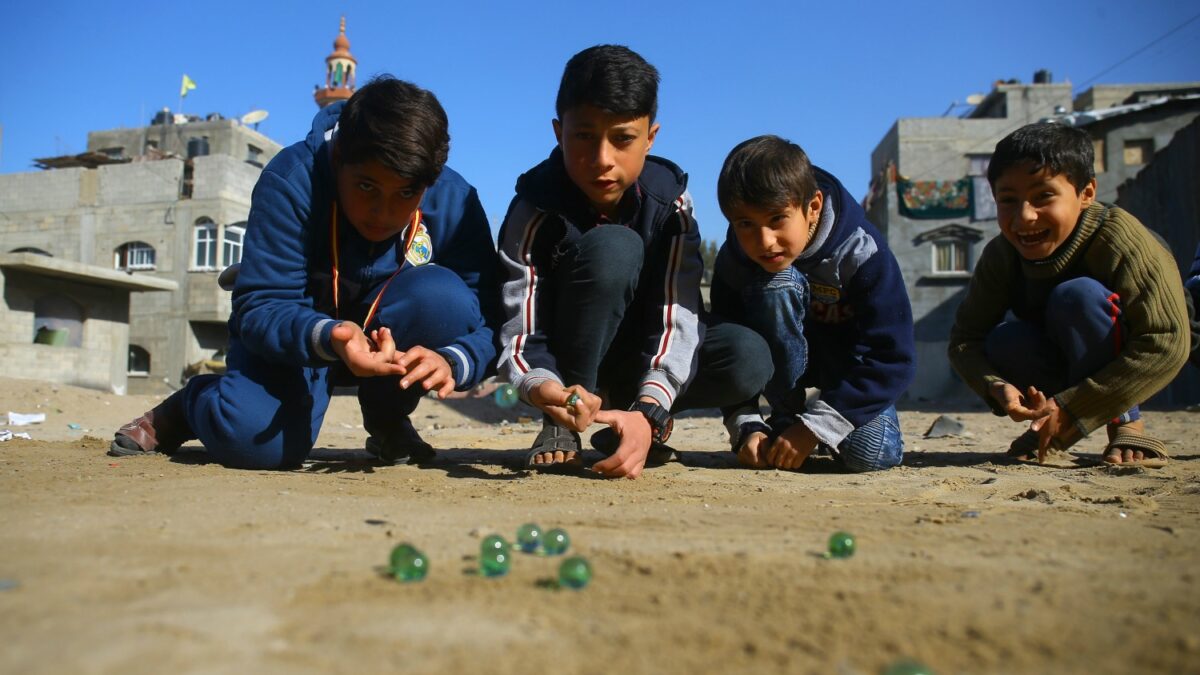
<point x="366" y="263"/>
<point x="602" y="288"/>
<point x="803" y="267"/>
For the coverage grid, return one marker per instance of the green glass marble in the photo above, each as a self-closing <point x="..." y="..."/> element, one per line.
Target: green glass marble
<point x="556" y="542"/>
<point x="506" y="396"/>
<point x="908" y="668"/>
<point x="408" y="564"/>
<point x="494" y="542"/>
<point x="574" y="573"/>
<point x="841" y="545"/>
<point x="529" y="537"/>
<point x="495" y="563"/>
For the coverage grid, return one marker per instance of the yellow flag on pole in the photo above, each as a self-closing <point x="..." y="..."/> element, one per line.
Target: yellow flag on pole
<point x="186" y="86"/>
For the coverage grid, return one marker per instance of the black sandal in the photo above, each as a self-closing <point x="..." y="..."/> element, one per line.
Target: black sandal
<point x="554" y="438"/>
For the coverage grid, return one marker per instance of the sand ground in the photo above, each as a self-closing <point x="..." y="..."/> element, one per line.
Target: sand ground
<point x="964" y="562"/>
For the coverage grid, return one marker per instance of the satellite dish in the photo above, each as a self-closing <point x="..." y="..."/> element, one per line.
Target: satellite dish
<point x="254" y="117"/>
<point x="975" y="99"/>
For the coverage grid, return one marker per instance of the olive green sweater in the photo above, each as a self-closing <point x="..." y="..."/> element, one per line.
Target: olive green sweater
<point x="1114" y="248"/>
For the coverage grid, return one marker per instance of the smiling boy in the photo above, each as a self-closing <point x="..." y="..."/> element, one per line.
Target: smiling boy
<point x="803" y="267"/>
<point x="1100" y="319"/>
<point x="602" y="288"/>
<point x="358" y="230"/>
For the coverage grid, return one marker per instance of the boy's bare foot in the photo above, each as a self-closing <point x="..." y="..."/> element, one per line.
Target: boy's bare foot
<point x="1128" y="444"/>
<point x="555" y="446"/>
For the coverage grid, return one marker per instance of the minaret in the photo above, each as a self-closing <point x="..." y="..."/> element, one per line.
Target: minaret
<point x="340" y="73"/>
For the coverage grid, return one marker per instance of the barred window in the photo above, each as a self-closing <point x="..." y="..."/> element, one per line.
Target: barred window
<point x="134" y="255"/>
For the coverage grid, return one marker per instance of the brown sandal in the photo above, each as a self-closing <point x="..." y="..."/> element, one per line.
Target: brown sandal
<point x="1132" y="440"/>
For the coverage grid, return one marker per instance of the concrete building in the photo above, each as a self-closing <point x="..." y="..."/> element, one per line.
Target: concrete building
<point x="164" y="205"/>
<point x="167" y="201"/>
<point x="931" y="199"/>
<point x="1164" y="195"/>
<point x="63" y="321"/>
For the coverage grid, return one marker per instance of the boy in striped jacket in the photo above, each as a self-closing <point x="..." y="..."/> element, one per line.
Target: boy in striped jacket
<point x="602" y="281"/>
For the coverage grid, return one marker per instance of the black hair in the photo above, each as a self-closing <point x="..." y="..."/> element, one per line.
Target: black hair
<point x="398" y="124"/>
<point x="1046" y="145"/>
<point x="614" y="78"/>
<point x="766" y="172"/>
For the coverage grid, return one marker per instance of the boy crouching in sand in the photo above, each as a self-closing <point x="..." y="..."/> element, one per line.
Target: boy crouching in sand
<point x="1100" y="321"/>
<point x="602" y="295"/>
<point x="357" y="231"/>
<point x="803" y="267"/>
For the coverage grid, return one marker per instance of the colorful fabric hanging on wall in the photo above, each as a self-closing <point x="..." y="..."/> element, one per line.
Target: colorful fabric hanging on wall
<point x="927" y="199"/>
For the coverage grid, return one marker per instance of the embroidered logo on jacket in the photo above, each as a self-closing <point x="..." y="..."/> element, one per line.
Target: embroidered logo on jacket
<point x="421" y="251"/>
<point x="828" y="295"/>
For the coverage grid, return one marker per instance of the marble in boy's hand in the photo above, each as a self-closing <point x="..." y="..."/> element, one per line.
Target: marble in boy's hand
<point x="428" y="367"/>
<point x="365" y="357"/>
<point x="556" y="401"/>
<point x="792" y="447"/>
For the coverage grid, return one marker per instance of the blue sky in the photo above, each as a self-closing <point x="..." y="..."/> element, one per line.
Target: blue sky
<point x="833" y="77"/>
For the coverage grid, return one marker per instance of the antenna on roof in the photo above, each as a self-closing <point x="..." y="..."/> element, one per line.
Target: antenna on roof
<point x="254" y="117"/>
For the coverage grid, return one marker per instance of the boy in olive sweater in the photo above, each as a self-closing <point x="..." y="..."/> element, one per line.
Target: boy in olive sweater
<point x="1100" y="319"/>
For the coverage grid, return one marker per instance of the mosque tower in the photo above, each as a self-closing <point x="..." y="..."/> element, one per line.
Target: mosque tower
<point x="340" y="72"/>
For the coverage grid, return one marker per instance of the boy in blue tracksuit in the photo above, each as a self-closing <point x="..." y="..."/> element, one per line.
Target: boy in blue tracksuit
<point x="366" y="263"/>
<point x="803" y="267"/>
<point x="602" y="281"/>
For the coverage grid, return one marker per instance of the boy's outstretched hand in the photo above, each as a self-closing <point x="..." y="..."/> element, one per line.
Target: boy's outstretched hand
<point x="630" y="457"/>
<point x="1027" y="407"/>
<point x="551" y="397"/>
<point x="792" y="447"/>
<point x="363" y="357"/>
<point x="428" y="367"/>
<point x="1054" y="429"/>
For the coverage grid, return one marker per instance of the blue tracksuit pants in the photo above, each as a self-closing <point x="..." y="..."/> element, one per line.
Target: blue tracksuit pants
<point x="266" y="415"/>
<point x="1079" y="333"/>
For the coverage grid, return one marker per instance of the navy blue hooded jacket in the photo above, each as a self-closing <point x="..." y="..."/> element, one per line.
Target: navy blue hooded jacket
<point x="283" y="303"/>
<point x="858" y="324"/>
<point x="549" y="211"/>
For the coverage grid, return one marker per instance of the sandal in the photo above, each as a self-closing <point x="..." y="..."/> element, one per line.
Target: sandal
<point x="606" y="442"/>
<point x="1132" y="440"/>
<point x="163" y="429"/>
<point x="554" y="438"/>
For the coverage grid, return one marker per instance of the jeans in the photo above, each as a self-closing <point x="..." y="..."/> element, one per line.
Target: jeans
<point x="598" y="343"/>
<point x="263" y="414"/>
<point x="775" y="306"/>
<point x="1080" y="331"/>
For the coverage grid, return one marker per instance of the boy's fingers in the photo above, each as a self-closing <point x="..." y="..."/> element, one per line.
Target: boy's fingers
<point x="605" y="417"/>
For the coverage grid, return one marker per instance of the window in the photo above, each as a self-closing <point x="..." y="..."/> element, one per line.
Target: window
<point x="1098" y="151"/>
<point x="113" y="153"/>
<point x="57" y="321"/>
<point x="139" y="362"/>
<point x="950" y="256"/>
<point x="204" y="243"/>
<point x="254" y="155"/>
<point x="134" y="255"/>
<point x="231" y="250"/>
<point x="1138" y="151"/>
<point x="950" y="252"/>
